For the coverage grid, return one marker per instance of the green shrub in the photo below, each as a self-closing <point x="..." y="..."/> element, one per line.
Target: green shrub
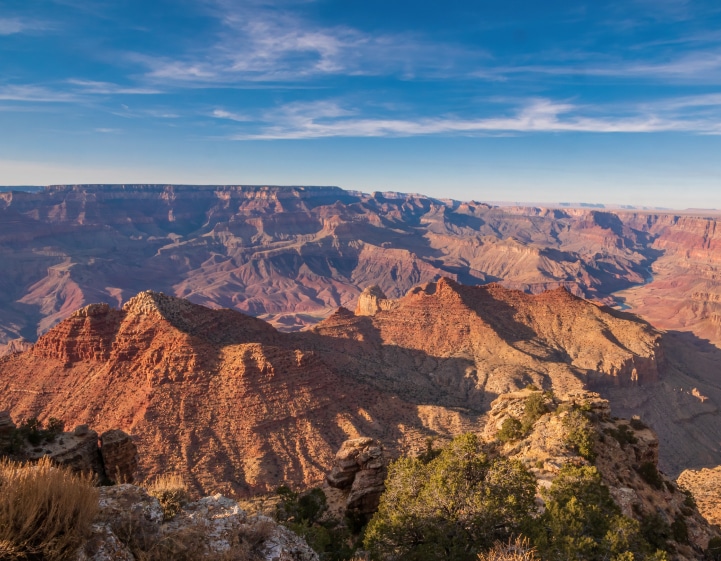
<point x="689" y="501"/>
<point x="304" y="508"/>
<point x="650" y="474"/>
<point x="511" y="430"/>
<point x="306" y="515"/>
<point x="534" y="408"/>
<point x="637" y="423"/>
<point x="582" y="521"/>
<point x="623" y="434"/>
<point x="35" y="433"/>
<point x="580" y="434"/>
<point x="429" y="453"/>
<point x="713" y="551"/>
<point x="458" y="504"/>
<point x="679" y="530"/>
<point x="656" y="531"/>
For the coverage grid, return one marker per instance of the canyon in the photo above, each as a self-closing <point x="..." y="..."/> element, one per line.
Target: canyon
<point x="293" y="255"/>
<point x="236" y="406"/>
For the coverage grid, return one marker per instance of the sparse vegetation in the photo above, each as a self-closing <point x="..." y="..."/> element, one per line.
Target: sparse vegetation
<point x="172" y="493"/>
<point x="623" y="434"/>
<point x="519" y="549"/>
<point x="45" y="511"/>
<point x="188" y="541"/>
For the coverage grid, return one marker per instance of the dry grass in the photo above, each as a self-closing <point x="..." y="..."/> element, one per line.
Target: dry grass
<point x="172" y="493"/>
<point x="45" y="511"/>
<point x="518" y="550"/>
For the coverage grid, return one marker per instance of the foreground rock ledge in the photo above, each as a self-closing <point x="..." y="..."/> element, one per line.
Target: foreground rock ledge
<point x="211" y="526"/>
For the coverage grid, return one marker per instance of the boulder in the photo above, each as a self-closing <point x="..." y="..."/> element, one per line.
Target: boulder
<point x="359" y="468"/>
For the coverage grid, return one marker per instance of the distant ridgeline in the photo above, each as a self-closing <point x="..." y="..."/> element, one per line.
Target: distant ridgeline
<point x="292" y="255"/>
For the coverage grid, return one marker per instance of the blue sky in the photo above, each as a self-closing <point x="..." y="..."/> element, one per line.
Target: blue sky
<point x="613" y="102"/>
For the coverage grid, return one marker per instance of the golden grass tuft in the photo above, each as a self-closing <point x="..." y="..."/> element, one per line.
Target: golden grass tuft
<point x="518" y="550"/>
<point x="172" y="493"/>
<point x="45" y="511"/>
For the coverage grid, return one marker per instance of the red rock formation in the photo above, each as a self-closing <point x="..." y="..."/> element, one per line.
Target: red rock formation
<point x="235" y="406"/>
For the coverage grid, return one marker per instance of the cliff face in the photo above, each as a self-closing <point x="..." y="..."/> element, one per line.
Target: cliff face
<point x="293" y="255"/>
<point x="238" y="407"/>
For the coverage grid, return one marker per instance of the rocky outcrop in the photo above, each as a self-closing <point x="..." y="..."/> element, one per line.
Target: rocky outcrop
<point x="373" y="300"/>
<point x="119" y="455"/>
<point x="130" y="525"/>
<point x="624" y="452"/>
<point x="77" y="449"/>
<point x="112" y="457"/>
<point x="705" y="487"/>
<point x="359" y="468"/>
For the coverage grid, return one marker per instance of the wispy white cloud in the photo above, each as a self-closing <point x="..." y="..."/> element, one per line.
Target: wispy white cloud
<point x="108" y="88"/>
<point x="12" y="26"/>
<point x="702" y="65"/>
<point x="37" y="94"/>
<point x="223" y="114"/>
<point x="322" y="120"/>
<point x="258" y="42"/>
